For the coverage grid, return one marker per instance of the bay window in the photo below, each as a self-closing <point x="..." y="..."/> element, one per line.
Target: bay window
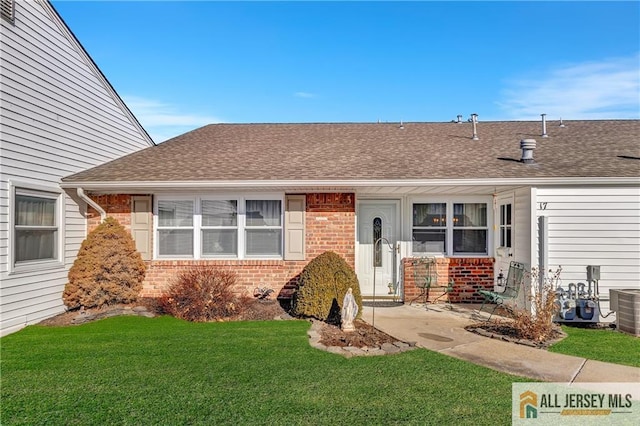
<point x="450" y="228"/>
<point x="212" y="227"/>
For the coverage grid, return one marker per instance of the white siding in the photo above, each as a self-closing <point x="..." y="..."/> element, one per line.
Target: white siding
<point x="58" y="116"/>
<point x="594" y="226"/>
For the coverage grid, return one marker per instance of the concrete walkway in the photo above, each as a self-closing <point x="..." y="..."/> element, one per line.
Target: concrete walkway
<point x="440" y="329"/>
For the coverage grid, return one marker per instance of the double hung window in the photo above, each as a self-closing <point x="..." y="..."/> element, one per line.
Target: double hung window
<point x="450" y="228"/>
<point x="36" y="226"/>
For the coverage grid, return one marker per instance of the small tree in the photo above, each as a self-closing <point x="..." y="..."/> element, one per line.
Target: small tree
<point x="108" y="269"/>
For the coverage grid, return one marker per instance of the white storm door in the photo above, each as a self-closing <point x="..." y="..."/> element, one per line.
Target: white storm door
<point x="378" y="221"/>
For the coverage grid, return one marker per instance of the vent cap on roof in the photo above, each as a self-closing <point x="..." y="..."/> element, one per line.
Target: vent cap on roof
<point x="544" y="125"/>
<point x="474" y="121"/>
<point x="527" y="146"/>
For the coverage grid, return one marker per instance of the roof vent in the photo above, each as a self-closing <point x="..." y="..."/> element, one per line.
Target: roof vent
<point x="527" y="146"/>
<point x="561" y="123"/>
<point x="474" y="120"/>
<point x="459" y="119"/>
<point x="544" y="125"/>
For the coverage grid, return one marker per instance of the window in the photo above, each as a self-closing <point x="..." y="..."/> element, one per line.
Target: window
<point x="450" y="228"/>
<point x="470" y="228"/>
<point x="175" y="228"/>
<point x="263" y="228"/>
<point x="430" y="228"/>
<point x="219" y="227"/>
<point x="505" y="225"/>
<point x="36" y="226"/>
<point x="206" y="227"/>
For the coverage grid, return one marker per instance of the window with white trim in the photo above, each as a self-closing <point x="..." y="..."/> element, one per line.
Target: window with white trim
<point x="505" y="225"/>
<point x="450" y="228"/>
<point x="219" y="227"/>
<point x="175" y="228"/>
<point x="36" y="224"/>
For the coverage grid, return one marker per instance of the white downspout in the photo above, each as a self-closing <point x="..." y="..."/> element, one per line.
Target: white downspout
<point x="84" y="197"/>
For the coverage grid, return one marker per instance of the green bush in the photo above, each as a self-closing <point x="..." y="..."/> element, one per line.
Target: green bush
<point x="322" y="286"/>
<point x="108" y="269"/>
<point x="203" y="294"/>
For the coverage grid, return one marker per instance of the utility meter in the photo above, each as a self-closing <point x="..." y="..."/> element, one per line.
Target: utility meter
<point x="593" y="273"/>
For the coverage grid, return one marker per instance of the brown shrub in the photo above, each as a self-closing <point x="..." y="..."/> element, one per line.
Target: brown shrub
<point x="108" y="269"/>
<point x="538" y="326"/>
<point x="203" y="294"/>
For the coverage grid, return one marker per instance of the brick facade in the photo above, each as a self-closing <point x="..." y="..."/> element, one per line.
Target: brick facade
<point x="469" y="276"/>
<point x="329" y="225"/>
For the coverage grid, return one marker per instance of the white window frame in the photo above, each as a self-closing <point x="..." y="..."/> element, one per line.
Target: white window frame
<point x="502" y="227"/>
<point x="157" y="228"/>
<point x="449" y="202"/>
<point x="203" y="227"/>
<point x="197" y="224"/>
<point x="40" y="191"/>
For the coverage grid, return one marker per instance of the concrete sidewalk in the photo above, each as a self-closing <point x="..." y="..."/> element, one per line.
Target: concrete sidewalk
<point x="440" y="329"/>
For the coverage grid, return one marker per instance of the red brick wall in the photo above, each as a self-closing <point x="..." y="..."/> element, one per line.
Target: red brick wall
<point x="329" y="225"/>
<point x="469" y="276"/>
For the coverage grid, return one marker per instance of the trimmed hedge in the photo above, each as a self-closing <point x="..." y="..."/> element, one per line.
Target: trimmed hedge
<point x="322" y="286"/>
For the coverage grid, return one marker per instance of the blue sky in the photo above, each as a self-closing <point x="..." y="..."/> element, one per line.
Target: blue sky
<point x="181" y="65"/>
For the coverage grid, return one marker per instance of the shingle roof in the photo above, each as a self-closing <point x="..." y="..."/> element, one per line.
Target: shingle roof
<point x="380" y="151"/>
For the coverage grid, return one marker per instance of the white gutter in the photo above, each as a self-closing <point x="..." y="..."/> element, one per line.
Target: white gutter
<point x="106" y="185"/>
<point x="84" y="197"/>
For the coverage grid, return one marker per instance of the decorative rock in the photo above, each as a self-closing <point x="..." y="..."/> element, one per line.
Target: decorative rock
<point x="390" y="348"/>
<point x="139" y="309"/>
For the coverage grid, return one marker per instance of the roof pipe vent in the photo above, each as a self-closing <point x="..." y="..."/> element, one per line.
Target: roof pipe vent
<point x="544" y="125"/>
<point x="459" y="119"/>
<point x="474" y="120"/>
<point x="561" y="123"/>
<point x="527" y="146"/>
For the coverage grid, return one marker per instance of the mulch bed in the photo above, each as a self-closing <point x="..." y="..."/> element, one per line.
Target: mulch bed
<point x="256" y="310"/>
<point x="505" y="332"/>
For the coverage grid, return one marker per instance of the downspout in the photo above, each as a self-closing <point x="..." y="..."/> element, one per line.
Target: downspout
<point x="84" y="197"/>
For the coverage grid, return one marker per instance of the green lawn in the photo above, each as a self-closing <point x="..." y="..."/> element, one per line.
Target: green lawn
<point x="133" y="370"/>
<point x="606" y="345"/>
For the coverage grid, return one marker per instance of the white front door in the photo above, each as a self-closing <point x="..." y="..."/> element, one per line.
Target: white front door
<point x="378" y="231"/>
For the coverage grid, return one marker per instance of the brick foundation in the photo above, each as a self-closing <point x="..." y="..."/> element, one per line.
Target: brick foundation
<point x="469" y="276"/>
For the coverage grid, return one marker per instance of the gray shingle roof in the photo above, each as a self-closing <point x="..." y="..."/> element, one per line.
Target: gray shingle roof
<point x="380" y="151"/>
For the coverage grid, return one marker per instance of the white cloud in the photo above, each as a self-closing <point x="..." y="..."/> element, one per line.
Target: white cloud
<point x="162" y="120"/>
<point x="590" y="90"/>
<point x="304" y="95"/>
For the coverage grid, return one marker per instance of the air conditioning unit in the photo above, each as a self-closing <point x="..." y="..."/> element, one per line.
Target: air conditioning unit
<point x="626" y="304"/>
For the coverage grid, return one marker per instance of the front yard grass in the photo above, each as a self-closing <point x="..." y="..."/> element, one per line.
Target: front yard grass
<point x="133" y="370"/>
<point x="606" y="345"/>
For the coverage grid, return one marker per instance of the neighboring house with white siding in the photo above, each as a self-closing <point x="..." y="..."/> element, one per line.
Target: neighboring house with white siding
<point x="59" y="115"/>
<point x="265" y="199"/>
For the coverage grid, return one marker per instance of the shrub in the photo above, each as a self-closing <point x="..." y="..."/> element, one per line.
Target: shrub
<point x="108" y="269"/>
<point x="322" y="286"/>
<point x="202" y="294"/>
<point x="538" y="326"/>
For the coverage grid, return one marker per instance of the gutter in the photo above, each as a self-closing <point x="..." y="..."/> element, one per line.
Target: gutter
<point x="84" y="197"/>
<point x="141" y="185"/>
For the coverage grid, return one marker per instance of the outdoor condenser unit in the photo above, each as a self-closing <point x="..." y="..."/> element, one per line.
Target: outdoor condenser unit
<point x="626" y="304"/>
